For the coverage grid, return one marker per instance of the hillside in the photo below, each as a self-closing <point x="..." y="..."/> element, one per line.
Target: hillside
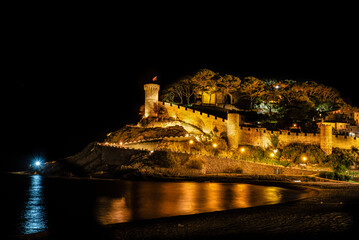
<point x="132" y="133"/>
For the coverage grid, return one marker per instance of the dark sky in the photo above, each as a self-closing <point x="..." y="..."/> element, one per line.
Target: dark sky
<point x="70" y="79"/>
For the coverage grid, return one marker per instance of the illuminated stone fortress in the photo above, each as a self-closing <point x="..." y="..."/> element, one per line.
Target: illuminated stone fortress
<point x="237" y="134"/>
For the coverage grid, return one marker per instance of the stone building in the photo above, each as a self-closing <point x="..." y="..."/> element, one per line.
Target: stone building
<point x="219" y="99"/>
<point x="344" y="121"/>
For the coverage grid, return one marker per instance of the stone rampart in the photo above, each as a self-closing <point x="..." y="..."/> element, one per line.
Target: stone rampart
<point x="345" y="142"/>
<point x="287" y="137"/>
<point x="208" y="123"/>
<point x="251" y="135"/>
<point x="260" y="137"/>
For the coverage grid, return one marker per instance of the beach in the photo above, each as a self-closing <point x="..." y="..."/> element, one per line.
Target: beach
<point x="330" y="210"/>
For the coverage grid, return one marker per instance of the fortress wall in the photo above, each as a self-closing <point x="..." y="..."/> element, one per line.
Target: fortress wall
<point x="287" y="137"/>
<point x="345" y="142"/>
<point x="252" y="136"/>
<point x="202" y="120"/>
<point x="261" y="137"/>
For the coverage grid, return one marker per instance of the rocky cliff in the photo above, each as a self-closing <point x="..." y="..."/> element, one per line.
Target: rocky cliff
<point x="133" y="133"/>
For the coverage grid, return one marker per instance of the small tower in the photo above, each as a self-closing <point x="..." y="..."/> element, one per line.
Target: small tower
<point x="326" y="138"/>
<point x="233" y="130"/>
<point x="151" y="98"/>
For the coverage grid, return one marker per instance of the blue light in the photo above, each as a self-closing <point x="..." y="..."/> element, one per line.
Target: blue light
<point x="37" y="162"/>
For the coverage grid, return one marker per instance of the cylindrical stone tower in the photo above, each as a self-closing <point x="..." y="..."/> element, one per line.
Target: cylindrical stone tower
<point x="326" y="138"/>
<point x="151" y="98"/>
<point x="233" y="130"/>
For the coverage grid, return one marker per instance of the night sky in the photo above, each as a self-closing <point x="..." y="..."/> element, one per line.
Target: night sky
<point x="68" y="81"/>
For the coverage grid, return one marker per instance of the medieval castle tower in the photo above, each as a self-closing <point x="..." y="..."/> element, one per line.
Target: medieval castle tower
<point x="151" y="98"/>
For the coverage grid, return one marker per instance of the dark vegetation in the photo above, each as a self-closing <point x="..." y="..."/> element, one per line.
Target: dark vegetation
<point x="279" y="103"/>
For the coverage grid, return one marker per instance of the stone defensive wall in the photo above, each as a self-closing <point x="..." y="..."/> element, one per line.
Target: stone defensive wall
<point x="260" y="137"/>
<point x="251" y="135"/>
<point x="208" y="123"/>
<point x="345" y="142"/>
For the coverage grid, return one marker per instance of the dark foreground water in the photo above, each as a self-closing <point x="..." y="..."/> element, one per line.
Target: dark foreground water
<point x="31" y="204"/>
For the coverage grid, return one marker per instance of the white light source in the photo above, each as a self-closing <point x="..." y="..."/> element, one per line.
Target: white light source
<point x="37" y="161"/>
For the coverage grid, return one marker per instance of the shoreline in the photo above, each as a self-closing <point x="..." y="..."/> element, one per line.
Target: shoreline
<point x="220" y="177"/>
<point x="330" y="210"/>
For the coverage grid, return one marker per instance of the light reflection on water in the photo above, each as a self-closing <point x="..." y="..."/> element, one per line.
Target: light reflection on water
<point x="146" y="200"/>
<point x="33" y="217"/>
<point x="107" y="202"/>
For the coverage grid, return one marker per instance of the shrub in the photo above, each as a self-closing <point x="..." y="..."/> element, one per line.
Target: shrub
<point x="329" y="175"/>
<point x="335" y="176"/>
<point x="250" y="152"/>
<point x="296" y="151"/>
<point x="274" y="139"/>
<point x="163" y="159"/>
<point x="341" y="159"/>
<point x="195" y="162"/>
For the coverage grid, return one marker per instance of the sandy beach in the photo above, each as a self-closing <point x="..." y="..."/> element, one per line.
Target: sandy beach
<point x="329" y="211"/>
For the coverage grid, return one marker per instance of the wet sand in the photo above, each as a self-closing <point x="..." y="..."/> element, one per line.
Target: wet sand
<point x="330" y="211"/>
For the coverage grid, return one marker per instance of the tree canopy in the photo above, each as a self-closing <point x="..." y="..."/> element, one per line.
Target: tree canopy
<point x="280" y="101"/>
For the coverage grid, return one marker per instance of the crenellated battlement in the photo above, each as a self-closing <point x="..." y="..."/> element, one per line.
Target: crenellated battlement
<point x="206" y="122"/>
<point x="260" y="137"/>
<point x="172" y="106"/>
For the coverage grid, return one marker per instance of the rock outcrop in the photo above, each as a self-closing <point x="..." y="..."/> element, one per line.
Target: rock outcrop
<point x="132" y="133"/>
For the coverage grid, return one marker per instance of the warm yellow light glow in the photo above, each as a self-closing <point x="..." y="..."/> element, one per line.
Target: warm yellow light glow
<point x="214" y="145"/>
<point x="242" y="150"/>
<point x="304" y="158"/>
<point x="272" y="154"/>
<point x="146" y="115"/>
<point x="275" y="150"/>
<point x="191" y="141"/>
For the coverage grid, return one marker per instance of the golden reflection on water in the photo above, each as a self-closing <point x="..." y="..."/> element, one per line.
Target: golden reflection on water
<point x="146" y="200"/>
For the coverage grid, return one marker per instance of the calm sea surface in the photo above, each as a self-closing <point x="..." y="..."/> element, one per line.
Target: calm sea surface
<point x="31" y="204"/>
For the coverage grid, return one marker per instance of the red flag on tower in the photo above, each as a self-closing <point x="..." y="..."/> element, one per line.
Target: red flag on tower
<point x="154" y="79"/>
